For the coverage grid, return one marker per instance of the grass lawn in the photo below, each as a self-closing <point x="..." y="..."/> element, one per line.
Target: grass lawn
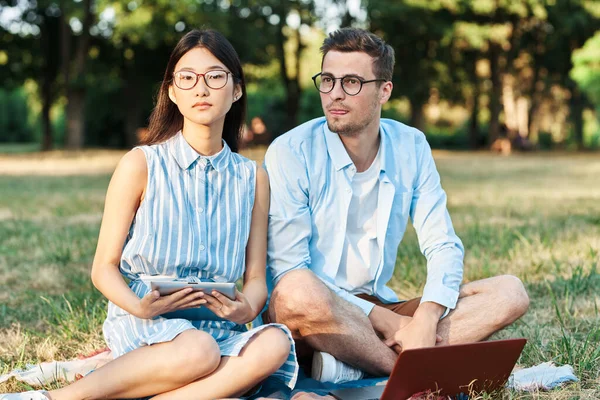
<point x="534" y="216"/>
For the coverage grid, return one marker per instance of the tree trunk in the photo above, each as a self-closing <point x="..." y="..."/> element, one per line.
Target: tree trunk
<point x="291" y="84"/>
<point x="509" y="105"/>
<point x="76" y="87"/>
<point x="46" y="123"/>
<point x="534" y="105"/>
<point x="50" y="29"/>
<point x="75" y="118"/>
<point x="474" y="140"/>
<point x="495" y="104"/>
<point x="133" y="112"/>
<point x="576" y="116"/>
<point x="417" y="116"/>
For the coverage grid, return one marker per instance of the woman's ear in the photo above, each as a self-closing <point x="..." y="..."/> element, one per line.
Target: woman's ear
<point x="172" y="94"/>
<point x="237" y="93"/>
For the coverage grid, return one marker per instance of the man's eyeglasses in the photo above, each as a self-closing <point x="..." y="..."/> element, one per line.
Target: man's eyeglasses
<point x="186" y="80"/>
<point x="351" y="84"/>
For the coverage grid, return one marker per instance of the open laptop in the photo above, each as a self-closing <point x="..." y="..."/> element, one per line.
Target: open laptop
<point x="445" y="370"/>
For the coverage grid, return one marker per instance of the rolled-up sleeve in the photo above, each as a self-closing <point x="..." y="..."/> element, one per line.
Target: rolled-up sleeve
<point x="289" y="215"/>
<point x="437" y="240"/>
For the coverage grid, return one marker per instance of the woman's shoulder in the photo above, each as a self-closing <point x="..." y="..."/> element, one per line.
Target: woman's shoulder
<point x="134" y="161"/>
<point x="239" y="160"/>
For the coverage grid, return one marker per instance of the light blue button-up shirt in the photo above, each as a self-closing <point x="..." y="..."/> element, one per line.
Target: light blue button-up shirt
<point x="311" y="173"/>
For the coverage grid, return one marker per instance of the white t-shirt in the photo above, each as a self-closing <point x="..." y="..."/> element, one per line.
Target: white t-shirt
<point x="361" y="255"/>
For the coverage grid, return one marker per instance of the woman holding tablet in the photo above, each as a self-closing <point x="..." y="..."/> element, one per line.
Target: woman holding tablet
<point x="186" y="204"/>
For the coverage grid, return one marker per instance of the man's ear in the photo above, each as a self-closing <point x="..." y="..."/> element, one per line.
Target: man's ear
<point x="172" y="94"/>
<point x="386" y="92"/>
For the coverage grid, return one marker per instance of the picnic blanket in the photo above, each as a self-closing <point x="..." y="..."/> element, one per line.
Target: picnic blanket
<point x="57" y="371"/>
<point x="69" y="371"/>
<point x="544" y="376"/>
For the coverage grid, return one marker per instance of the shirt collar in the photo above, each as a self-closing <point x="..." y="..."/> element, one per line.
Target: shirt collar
<point x="339" y="155"/>
<point x="385" y="148"/>
<point x="335" y="147"/>
<point x="186" y="156"/>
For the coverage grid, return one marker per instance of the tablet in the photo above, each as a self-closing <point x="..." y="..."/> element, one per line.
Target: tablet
<point x="166" y="287"/>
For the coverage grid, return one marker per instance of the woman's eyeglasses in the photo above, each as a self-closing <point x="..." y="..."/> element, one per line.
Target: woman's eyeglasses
<point x="215" y="79"/>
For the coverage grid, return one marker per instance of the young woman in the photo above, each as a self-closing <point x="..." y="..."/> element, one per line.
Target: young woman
<point x="186" y="204"/>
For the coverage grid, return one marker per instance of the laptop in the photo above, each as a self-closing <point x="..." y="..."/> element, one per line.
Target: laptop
<point x="445" y="370"/>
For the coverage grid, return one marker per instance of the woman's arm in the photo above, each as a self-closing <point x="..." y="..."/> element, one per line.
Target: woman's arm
<point x="255" y="286"/>
<point x="125" y="193"/>
<point x="251" y="300"/>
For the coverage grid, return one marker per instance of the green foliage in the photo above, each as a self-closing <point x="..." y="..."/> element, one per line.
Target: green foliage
<point x="586" y="69"/>
<point x="15" y="124"/>
<point x="439" y="47"/>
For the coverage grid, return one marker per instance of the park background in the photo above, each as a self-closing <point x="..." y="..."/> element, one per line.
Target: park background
<point x="507" y="92"/>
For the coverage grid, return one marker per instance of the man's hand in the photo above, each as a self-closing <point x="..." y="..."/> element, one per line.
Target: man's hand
<point x="421" y="331"/>
<point x="413" y="336"/>
<point x="386" y="322"/>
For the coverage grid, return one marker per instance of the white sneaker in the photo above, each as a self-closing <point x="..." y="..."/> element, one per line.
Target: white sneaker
<point x="34" y="395"/>
<point x="326" y="368"/>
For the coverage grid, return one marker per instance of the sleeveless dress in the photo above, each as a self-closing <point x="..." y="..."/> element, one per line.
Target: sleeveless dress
<point x="194" y="221"/>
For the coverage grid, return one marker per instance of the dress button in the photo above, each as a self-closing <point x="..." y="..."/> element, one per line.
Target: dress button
<point x="201" y="247"/>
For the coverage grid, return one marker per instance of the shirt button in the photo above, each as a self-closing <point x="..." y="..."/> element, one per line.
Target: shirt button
<point x="348" y="190"/>
<point x="200" y="209"/>
<point x="201" y="247"/>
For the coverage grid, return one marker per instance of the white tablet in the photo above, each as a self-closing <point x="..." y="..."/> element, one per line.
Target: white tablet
<point x="166" y="287"/>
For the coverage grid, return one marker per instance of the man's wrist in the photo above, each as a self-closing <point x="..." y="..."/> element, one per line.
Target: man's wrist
<point x="429" y="312"/>
<point x="376" y="318"/>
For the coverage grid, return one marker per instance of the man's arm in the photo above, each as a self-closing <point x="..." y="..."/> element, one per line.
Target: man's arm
<point x="442" y="249"/>
<point x="437" y="240"/>
<point x="289" y="230"/>
<point x="290" y="225"/>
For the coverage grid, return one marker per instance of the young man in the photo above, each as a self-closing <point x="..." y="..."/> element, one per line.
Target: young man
<point x="342" y="190"/>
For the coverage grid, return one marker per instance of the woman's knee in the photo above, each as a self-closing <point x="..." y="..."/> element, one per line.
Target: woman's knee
<point x="270" y="350"/>
<point x="194" y="354"/>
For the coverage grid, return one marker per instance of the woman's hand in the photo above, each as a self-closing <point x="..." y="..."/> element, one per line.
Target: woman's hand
<point x="239" y="310"/>
<point x="153" y="304"/>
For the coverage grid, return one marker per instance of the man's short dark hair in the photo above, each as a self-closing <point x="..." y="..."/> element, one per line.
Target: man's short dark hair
<point x="348" y="40"/>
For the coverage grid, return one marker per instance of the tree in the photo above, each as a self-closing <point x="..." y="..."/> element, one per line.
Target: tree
<point x="586" y="70"/>
<point x="29" y="58"/>
<point x="416" y="30"/>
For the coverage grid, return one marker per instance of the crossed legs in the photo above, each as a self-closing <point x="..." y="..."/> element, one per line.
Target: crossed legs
<point x="188" y="367"/>
<point x="328" y="323"/>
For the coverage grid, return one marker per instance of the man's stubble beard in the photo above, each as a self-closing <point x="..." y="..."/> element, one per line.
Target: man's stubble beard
<point x="353" y="129"/>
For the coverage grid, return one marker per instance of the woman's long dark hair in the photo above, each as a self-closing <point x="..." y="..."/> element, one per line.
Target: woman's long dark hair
<point x="166" y="120"/>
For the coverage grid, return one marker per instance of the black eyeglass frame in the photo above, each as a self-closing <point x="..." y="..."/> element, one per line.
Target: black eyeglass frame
<point x="362" y="82"/>
<point x="227" y="73"/>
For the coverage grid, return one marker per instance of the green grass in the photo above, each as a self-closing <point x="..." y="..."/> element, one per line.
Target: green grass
<point x="536" y="216"/>
<point x="17" y="148"/>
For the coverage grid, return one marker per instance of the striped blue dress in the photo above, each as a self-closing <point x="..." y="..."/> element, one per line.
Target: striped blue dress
<point x="194" y="221"/>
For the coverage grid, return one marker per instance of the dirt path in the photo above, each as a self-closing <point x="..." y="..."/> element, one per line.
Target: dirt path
<point x="85" y="162"/>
